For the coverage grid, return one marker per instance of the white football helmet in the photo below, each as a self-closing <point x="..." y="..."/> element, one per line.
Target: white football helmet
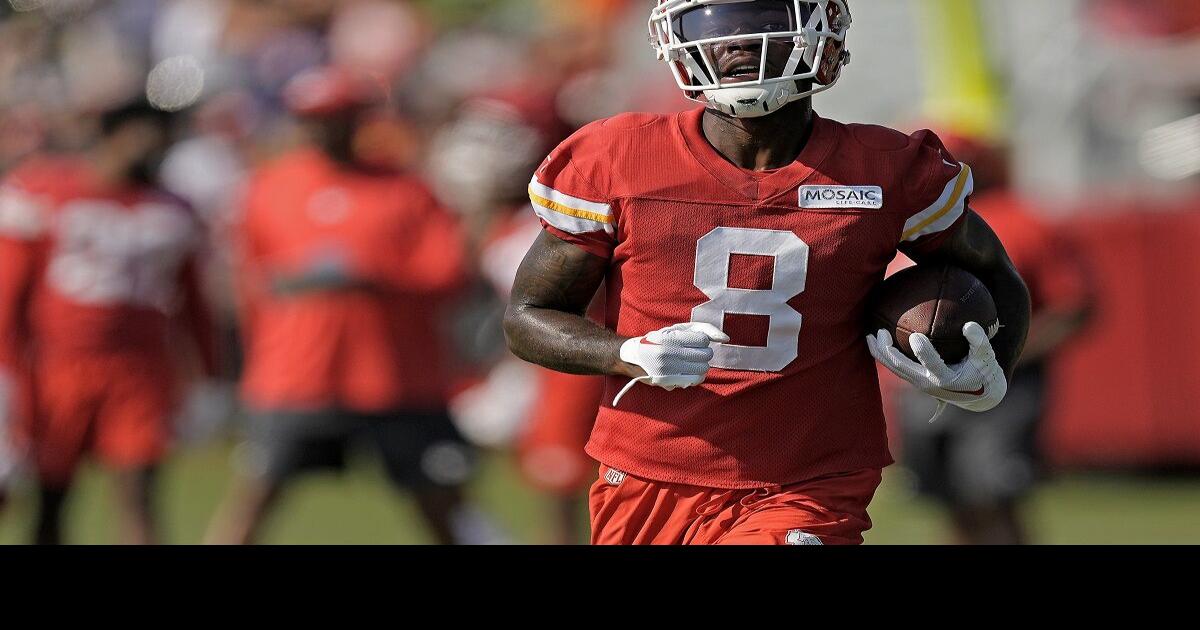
<point x="689" y="34"/>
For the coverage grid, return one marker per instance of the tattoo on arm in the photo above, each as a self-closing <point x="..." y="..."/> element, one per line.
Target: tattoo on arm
<point x="545" y="322"/>
<point x="976" y="248"/>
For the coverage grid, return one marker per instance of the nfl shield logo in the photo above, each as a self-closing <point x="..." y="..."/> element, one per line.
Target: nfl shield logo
<point x="614" y="477"/>
<point x="800" y="537"/>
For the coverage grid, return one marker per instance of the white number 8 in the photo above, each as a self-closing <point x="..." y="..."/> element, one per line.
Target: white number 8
<point x="713" y="252"/>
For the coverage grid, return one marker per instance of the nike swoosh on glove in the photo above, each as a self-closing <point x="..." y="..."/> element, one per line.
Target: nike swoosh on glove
<point x="675" y="356"/>
<point x="977" y="384"/>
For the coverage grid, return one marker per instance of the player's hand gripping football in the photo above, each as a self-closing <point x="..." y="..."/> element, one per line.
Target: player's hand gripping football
<point x="675" y="356"/>
<point x="977" y="384"/>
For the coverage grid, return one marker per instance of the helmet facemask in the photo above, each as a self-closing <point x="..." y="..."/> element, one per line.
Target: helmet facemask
<point x="712" y="47"/>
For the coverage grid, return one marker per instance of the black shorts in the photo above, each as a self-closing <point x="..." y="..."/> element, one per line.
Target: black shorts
<point x="968" y="459"/>
<point x="420" y="449"/>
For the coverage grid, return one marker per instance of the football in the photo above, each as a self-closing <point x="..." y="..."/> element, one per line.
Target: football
<point x="936" y="300"/>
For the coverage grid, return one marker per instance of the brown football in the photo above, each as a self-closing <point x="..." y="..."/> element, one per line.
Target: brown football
<point x="937" y="300"/>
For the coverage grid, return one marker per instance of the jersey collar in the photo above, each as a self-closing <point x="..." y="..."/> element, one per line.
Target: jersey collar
<point x="757" y="185"/>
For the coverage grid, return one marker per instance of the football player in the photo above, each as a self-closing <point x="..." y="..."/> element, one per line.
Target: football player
<point x="738" y="242"/>
<point x="98" y="262"/>
<point x="346" y="265"/>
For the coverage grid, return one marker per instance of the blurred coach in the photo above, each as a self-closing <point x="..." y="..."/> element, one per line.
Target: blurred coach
<point x="346" y="265"/>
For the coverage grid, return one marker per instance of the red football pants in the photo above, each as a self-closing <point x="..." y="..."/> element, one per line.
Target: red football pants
<point x="117" y="407"/>
<point x="627" y="510"/>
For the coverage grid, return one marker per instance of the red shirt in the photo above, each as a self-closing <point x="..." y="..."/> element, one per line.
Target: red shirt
<point x="1047" y="262"/>
<point x="91" y="268"/>
<point x="372" y="340"/>
<point x="782" y="261"/>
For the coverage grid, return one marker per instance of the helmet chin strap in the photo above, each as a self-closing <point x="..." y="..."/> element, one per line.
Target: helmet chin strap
<point x="751" y="102"/>
<point x="758" y="101"/>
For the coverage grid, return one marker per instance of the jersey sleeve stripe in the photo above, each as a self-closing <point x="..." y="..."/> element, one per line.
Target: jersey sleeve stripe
<point x="943" y="213"/>
<point x="547" y="204"/>
<point x="569" y="222"/>
<point x="567" y="213"/>
<point x="548" y="194"/>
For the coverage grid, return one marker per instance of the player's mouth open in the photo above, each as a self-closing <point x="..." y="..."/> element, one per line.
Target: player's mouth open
<point x="743" y="67"/>
<point x="743" y="72"/>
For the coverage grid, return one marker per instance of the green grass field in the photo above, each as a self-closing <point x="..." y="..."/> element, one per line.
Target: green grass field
<point x="360" y="508"/>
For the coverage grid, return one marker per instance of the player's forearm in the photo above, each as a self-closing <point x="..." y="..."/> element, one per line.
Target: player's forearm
<point x="545" y="322"/>
<point x="1013" y="306"/>
<point x="564" y="342"/>
<point x="977" y="249"/>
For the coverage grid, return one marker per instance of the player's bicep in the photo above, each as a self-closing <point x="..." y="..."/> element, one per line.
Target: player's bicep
<point x="972" y="245"/>
<point x="557" y="275"/>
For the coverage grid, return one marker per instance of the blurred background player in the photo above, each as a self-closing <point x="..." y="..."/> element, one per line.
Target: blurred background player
<point x="347" y="264"/>
<point x="480" y="164"/>
<point x="97" y="264"/>
<point x="980" y="467"/>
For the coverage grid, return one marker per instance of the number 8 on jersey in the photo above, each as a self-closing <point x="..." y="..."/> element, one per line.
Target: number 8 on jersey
<point x="790" y="254"/>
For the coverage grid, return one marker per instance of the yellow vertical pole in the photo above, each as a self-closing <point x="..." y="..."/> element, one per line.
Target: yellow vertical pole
<point x="961" y="90"/>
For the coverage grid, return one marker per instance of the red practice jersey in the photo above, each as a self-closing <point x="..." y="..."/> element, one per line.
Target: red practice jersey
<point x="94" y="269"/>
<point x="344" y="277"/>
<point x="781" y="260"/>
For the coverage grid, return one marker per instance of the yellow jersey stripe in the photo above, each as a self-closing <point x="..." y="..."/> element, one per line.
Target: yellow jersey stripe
<point x="963" y="177"/>
<point x="561" y="209"/>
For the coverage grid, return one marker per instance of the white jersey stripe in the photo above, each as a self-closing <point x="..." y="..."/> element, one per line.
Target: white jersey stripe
<point x="568" y="223"/>
<point x="575" y="203"/>
<point x="945" y="211"/>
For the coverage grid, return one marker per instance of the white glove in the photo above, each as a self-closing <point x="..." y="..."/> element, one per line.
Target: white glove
<point x="977" y="384"/>
<point x="675" y="356"/>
